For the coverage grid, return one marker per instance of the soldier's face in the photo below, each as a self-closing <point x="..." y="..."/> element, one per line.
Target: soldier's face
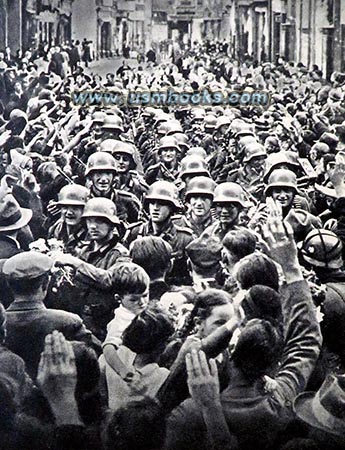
<point x="159" y="211"/>
<point x="283" y="195"/>
<point x="200" y="206"/>
<point x="123" y="162"/>
<point x="168" y="155"/>
<point x="71" y="214"/>
<point x="228" y="214"/>
<point x="99" y="229"/>
<point x="102" y="181"/>
<point x="256" y="165"/>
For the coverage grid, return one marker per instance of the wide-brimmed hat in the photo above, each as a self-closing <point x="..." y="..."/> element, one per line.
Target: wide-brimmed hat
<point x="324" y="409"/>
<point x="12" y="216"/>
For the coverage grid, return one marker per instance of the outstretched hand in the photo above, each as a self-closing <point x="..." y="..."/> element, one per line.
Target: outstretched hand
<point x="57" y="372"/>
<point x="279" y="237"/>
<point x="203" y="382"/>
<point x="337" y="176"/>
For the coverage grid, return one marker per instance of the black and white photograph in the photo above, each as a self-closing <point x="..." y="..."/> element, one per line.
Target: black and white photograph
<point x="172" y="224"/>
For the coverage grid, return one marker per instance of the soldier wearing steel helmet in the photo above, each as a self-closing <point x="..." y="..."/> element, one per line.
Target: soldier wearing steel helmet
<point x="69" y="228"/>
<point x="282" y="188"/>
<point x="162" y="202"/>
<point x="250" y="174"/>
<point x="128" y="178"/>
<point x="94" y="304"/>
<point x="199" y="199"/>
<point x="101" y="175"/>
<point x="167" y="167"/>
<point x="191" y="166"/>
<point x="230" y="201"/>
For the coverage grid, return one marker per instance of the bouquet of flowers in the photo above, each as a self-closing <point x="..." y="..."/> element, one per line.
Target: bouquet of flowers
<point x="51" y="247"/>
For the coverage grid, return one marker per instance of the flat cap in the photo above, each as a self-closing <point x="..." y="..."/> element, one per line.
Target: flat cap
<point x="27" y="265"/>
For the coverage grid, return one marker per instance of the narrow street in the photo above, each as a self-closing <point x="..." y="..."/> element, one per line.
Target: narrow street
<point x="106" y="65"/>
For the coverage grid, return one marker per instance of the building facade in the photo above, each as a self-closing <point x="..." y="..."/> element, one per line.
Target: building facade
<point x="27" y="23"/>
<point x="311" y="32"/>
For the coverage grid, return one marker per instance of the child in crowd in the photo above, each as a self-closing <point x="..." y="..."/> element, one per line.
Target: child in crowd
<point x="143" y="341"/>
<point x="131" y="285"/>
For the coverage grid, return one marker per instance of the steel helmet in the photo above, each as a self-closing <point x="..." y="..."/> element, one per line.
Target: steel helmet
<point x="281" y="178"/>
<point x="100" y="161"/>
<point x="254" y="150"/>
<point x="197" y="151"/>
<point x="112" y="122"/>
<point x="102" y="208"/>
<point x="274" y="160"/>
<point x="168" y="142"/>
<point x="246" y="140"/>
<point x="173" y="126"/>
<point x="164" y="191"/>
<point x="197" y="114"/>
<point x="210" y="121"/>
<point x="230" y="193"/>
<point x="107" y="145"/>
<point x="160" y="117"/>
<point x="182" y="140"/>
<point x="98" y="117"/>
<point x="200" y="186"/>
<point x="127" y="149"/>
<point x="222" y="120"/>
<point x="123" y="147"/>
<point x="74" y="195"/>
<point x="323" y="248"/>
<point x="238" y="125"/>
<point x="191" y="165"/>
<point x="163" y="128"/>
<point x="149" y="111"/>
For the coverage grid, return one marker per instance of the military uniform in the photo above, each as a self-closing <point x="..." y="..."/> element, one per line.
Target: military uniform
<point x="135" y="184"/>
<point x="72" y="242"/>
<point x="177" y="237"/>
<point x="159" y="172"/>
<point x="216" y="230"/>
<point x="187" y="221"/>
<point x="96" y="305"/>
<point x="253" y="185"/>
<point x="127" y="204"/>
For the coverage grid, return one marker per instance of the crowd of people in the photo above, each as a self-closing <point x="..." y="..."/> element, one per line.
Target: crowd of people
<point x="172" y="277"/>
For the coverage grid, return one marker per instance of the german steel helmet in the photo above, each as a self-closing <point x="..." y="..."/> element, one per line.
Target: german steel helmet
<point x="74" y="195"/>
<point x="254" y="150"/>
<point x="229" y="193"/>
<point x="100" y="161"/>
<point x="193" y="164"/>
<point x="112" y="122"/>
<point x="164" y="191"/>
<point x="200" y="186"/>
<point x="107" y="145"/>
<point x="102" y="208"/>
<point x="167" y="142"/>
<point x="281" y="178"/>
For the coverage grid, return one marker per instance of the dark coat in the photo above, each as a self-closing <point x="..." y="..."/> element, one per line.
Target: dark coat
<point x="28" y="323"/>
<point x="253" y="415"/>
<point x="177" y="237"/>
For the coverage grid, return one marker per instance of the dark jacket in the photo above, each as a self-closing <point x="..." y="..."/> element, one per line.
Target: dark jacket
<point x="28" y="323"/>
<point x="253" y="415"/>
<point x="177" y="237"/>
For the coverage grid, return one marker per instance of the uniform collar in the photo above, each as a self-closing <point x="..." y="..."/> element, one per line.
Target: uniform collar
<point x="168" y="228"/>
<point x="104" y="248"/>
